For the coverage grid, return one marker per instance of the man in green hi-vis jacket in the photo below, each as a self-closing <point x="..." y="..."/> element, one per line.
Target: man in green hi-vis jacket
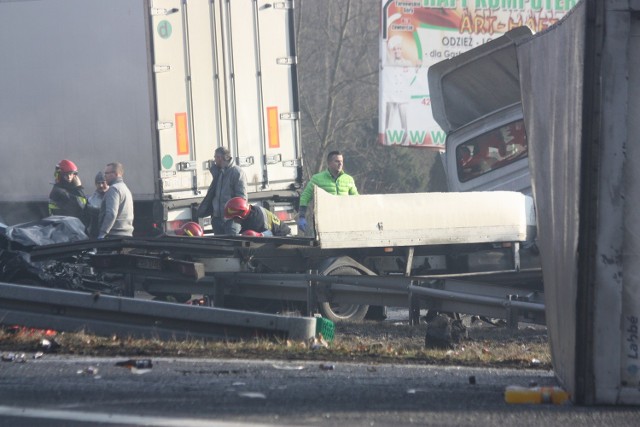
<point x="333" y="180"/>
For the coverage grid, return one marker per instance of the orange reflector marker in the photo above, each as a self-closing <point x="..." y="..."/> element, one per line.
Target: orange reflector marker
<point x="273" y="128"/>
<point x="284" y="215"/>
<point x="182" y="133"/>
<point x="388" y="250"/>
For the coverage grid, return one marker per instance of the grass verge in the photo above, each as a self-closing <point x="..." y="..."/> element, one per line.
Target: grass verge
<point x="362" y="342"/>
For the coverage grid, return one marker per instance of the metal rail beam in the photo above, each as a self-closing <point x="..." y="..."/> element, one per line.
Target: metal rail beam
<point x="442" y="292"/>
<point x="107" y="315"/>
<point x="476" y="299"/>
<point x="205" y="246"/>
<point x="150" y="264"/>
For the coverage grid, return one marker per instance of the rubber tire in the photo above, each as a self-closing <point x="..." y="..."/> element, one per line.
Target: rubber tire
<point x="339" y="312"/>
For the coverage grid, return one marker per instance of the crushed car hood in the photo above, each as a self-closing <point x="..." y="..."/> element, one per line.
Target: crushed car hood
<point x="461" y="94"/>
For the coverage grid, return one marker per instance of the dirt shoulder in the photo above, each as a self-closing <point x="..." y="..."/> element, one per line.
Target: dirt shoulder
<point x="391" y="341"/>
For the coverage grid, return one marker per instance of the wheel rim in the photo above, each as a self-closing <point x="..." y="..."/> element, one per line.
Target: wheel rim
<point x="344" y="311"/>
<point x="341" y="311"/>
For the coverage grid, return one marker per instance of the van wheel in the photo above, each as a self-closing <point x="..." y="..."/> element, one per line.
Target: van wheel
<point x="343" y="312"/>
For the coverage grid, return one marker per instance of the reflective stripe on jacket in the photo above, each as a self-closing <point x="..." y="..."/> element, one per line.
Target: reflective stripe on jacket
<point x="261" y="220"/>
<point x="68" y="200"/>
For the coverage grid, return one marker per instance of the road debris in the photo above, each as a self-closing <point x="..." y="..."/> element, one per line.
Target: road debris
<point x="8" y="357"/>
<point x="536" y="395"/>
<point x="89" y="371"/>
<point x="252" y="395"/>
<point x="443" y="332"/>
<point x="137" y="366"/>
<point x="288" y="367"/>
<point x="48" y="346"/>
<point x="318" y="343"/>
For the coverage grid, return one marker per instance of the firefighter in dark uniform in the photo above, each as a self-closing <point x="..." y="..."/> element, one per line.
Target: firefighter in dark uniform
<point x="67" y="196"/>
<point x="254" y="220"/>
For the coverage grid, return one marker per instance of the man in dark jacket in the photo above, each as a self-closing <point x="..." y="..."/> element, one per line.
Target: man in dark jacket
<point x="67" y="195"/>
<point x="229" y="181"/>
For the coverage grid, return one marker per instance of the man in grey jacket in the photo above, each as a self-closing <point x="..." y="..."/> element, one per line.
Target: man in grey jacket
<point x="229" y="181"/>
<point x="116" y="210"/>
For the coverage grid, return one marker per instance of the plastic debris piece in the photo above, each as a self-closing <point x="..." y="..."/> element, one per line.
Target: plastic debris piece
<point x="417" y="390"/>
<point x="8" y="357"/>
<point x="137" y="366"/>
<point x="327" y="366"/>
<point x="23" y="330"/>
<point x="535" y="361"/>
<point x="136" y="363"/>
<point x="536" y="395"/>
<point x="288" y="367"/>
<point x="38" y="355"/>
<point x="318" y="343"/>
<point x="325" y="329"/>
<point x="371" y="369"/>
<point x="252" y="395"/>
<point x="89" y="370"/>
<point x="48" y="346"/>
<point x="472" y="379"/>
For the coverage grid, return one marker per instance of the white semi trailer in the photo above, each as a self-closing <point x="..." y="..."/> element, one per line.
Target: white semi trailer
<point x="155" y="84"/>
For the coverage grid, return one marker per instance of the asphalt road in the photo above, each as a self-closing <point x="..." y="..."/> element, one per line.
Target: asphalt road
<point x="77" y="391"/>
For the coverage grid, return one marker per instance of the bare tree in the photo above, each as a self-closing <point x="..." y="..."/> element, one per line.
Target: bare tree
<point x="337" y="54"/>
<point x="338" y="57"/>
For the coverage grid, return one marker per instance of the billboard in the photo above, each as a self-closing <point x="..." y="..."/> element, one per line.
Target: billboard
<point x="415" y="34"/>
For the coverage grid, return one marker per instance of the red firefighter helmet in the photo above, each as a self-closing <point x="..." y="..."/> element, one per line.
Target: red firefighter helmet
<point x="67" y="166"/>
<point x="192" y="229"/>
<point x="251" y="233"/>
<point x="236" y="208"/>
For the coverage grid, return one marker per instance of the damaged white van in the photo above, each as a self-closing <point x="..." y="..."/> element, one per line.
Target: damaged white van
<point x="476" y="100"/>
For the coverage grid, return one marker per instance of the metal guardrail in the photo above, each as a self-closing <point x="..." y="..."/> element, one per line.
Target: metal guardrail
<point x="447" y="292"/>
<point x="105" y="315"/>
<point x="150" y="264"/>
<point x="205" y="246"/>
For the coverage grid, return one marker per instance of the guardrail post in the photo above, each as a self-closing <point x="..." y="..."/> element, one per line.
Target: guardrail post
<point x="516" y="256"/>
<point x="129" y="287"/>
<point x="312" y="298"/>
<point x="512" y="315"/>
<point x="410" y="253"/>
<point x="218" y="293"/>
<point x="414" y="308"/>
